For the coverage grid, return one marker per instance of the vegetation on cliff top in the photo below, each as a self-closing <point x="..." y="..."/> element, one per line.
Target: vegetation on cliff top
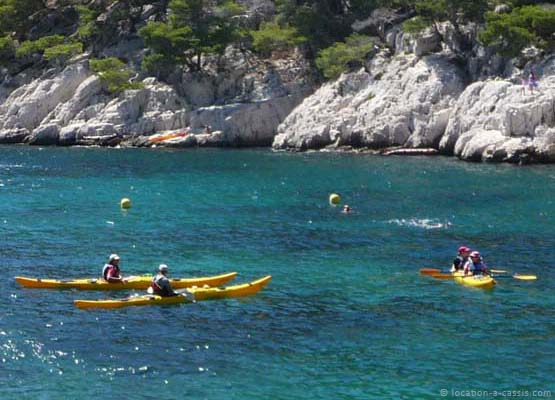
<point x="195" y="28"/>
<point x="333" y="60"/>
<point x="114" y="74"/>
<point x="524" y="26"/>
<point x="180" y="33"/>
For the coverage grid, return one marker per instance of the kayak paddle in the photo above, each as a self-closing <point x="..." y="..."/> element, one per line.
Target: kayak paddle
<point x="442" y="276"/>
<point x="515" y="276"/>
<point x="525" y="277"/>
<point x="449" y="276"/>
<point x="185" y="292"/>
<point x="430" y="271"/>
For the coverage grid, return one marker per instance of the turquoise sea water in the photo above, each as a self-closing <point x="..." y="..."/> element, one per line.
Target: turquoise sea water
<point x="346" y="316"/>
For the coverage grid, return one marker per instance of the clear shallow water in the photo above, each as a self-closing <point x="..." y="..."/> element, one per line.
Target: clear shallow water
<point x="346" y="315"/>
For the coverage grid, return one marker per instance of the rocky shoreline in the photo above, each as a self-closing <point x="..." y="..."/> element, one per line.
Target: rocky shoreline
<point x="69" y="106"/>
<point x="408" y="99"/>
<point x="423" y="103"/>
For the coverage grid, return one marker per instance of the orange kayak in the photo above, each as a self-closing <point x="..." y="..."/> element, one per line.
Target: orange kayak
<point x="167" y="136"/>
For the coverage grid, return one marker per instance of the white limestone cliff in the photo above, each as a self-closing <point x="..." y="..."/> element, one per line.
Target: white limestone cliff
<point x="70" y="106"/>
<point x="405" y="101"/>
<point x="498" y="120"/>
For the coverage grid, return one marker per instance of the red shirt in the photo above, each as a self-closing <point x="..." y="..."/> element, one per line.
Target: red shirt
<point x="113" y="272"/>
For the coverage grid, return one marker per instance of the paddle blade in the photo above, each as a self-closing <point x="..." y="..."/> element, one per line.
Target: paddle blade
<point x="429" y="271"/>
<point x="442" y="276"/>
<point x="526" y="277"/>
<point x="498" y="271"/>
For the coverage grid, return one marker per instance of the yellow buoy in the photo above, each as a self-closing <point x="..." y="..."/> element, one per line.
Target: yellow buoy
<point x="335" y="199"/>
<point x="125" y="203"/>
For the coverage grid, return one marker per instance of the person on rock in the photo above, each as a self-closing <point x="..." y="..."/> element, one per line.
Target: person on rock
<point x="532" y="82"/>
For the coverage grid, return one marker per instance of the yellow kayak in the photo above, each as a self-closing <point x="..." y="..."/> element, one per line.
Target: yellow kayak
<point x="478" y="281"/>
<point x="246" y="289"/>
<point x="134" y="282"/>
<point x="198" y="293"/>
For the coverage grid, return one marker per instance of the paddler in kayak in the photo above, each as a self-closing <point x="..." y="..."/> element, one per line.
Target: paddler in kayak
<point x="111" y="272"/>
<point x="475" y="265"/>
<point x="160" y="284"/>
<point x="461" y="259"/>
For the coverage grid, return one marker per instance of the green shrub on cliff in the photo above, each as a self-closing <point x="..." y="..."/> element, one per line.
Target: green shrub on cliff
<point x="54" y="47"/>
<point x="429" y="13"/>
<point x="523" y="26"/>
<point x="158" y="65"/>
<point x="14" y="15"/>
<point x="63" y="52"/>
<point x="195" y="28"/>
<point x="342" y="56"/>
<point x="321" y="22"/>
<point x="520" y="3"/>
<point x="212" y="26"/>
<point x="87" y="28"/>
<point x="29" y="47"/>
<point x="432" y="13"/>
<point x="114" y="74"/>
<point x="415" y="24"/>
<point x="7" y="49"/>
<point x="169" y="46"/>
<point x="271" y="36"/>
